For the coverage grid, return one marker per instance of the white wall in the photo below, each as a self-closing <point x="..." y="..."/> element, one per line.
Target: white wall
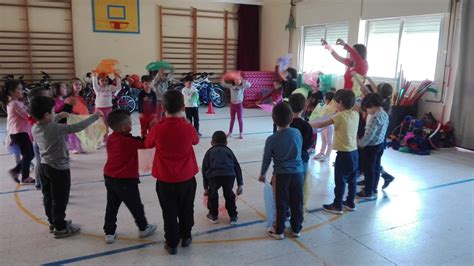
<point x="133" y="51"/>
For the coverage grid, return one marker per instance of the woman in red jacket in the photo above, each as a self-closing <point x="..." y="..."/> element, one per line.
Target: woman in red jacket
<point x="356" y="61"/>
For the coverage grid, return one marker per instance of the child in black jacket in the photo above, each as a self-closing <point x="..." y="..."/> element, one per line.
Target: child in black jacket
<point x="219" y="169"/>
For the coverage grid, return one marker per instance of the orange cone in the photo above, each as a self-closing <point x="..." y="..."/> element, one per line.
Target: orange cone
<point x="210" y="109"/>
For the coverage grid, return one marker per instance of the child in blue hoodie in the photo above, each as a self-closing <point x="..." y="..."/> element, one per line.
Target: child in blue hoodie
<point x="220" y="168"/>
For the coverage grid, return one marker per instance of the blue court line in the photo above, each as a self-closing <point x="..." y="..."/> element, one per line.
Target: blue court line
<point x="417" y="190"/>
<point x="140" y="246"/>
<point x="107" y="253"/>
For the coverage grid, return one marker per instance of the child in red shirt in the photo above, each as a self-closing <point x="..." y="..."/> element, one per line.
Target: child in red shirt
<point x="174" y="167"/>
<point x="121" y="176"/>
<point x="146" y="106"/>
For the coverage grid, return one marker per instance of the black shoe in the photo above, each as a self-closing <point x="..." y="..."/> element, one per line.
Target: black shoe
<point x="349" y="206"/>
<point x="361" y="183"/>
<point x="363" y="195"/>
<point x="186" y="242"/>
<point x="332" y="208"/>
<point x="213" y="219"/>
<point x="171" y="251"/>
<point x="51" y="226"/>
<point x="14" y="175"/>
<point x="387" y="180"/>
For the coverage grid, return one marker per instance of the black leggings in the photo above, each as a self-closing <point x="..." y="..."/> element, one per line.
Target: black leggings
<point x="22" y="140"/>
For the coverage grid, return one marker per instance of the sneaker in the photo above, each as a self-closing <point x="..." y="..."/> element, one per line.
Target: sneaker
<point x="109" y="239"/>
<point x="186" y="242"/>
<point x="199" y="134"/>
<point x="229" y="135"/>
<point x="75" y="151"/>
<point x="363" y="195"/>
<point x="213" y="219"/>
<point x="387" y="180"/>
<point x="51" y="226"/>
<point x="38" y="186"/>
<point x="332" y="208"/>
<point x="28" y="181"/>
<point x="149" y="230"/>
<point x="241" y="136"/>
<point x="273" y="234"/>
<point x="233" y="220"/>
<point x="318" y="156"/>
<point x="311" y="150"/>
<point x="324" y="158"/>
<point x="348" y="206"/>
<point x="361" y="183"/>
<point x="295" y="234"/>
<point x="14" y="175"/>
<point x="70" y="230"/>
<point x="171" y="251"/>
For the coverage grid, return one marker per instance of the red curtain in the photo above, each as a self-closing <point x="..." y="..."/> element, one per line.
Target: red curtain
<point x="248" y="49"/>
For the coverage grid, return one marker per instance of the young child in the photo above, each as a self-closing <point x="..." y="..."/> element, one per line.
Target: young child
<point x="315" y="98"/>
<point x="121" y="176"/>
<point x="79" y="107"/>
<point x="19" y="130"/>
<point x="104" y="94"/>
<point x="326" y="135"/>
<point x="160" y="86"/>
<point x="345" y="123"/>
<point x="55" y="173"/>
<point x="237" y="88"/>
<point x="284" y="147"/>
<point x="288" y="80"/>
<point x="174" y="167"/>
<point x="373" y="143"/>
<point x="297" y="102"/>
<point x="38" y="91"/>
<point x="146" y="106"/>
<point x="275" y="94"/>
<point x="219" y="169"/>
<point x="59" y="92"/>
<point x="191" y="102"/>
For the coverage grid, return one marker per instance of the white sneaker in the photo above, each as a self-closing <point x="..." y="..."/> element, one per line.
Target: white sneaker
<point x="274" y="235"/>
<point x="318" y="156"/>
<point x="295" y="234"/>
<point x="149" y="230"/>
<point x="324" y="158"/>
<point x="109" y="239"/>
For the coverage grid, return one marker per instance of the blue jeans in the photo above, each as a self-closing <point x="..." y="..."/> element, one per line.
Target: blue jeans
<point x="372" y="167"/>
<point x="345" y="169"/>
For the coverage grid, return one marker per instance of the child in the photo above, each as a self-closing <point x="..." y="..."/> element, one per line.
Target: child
<point x="54" y="173"/>
<point x="219" y="169"/>
<point x="18" y="129"/>
<point x="315" y="98"/>
<point x="38" y="91"/>
<point x="59" y="92"/>
<point x="276" y="95"/>
<point x="79" y="107"/>
<point x="174" y="167"/>
<point x="160" y="86"/>
<point x="284" y="147"/>
<point x="345" y="142"/>
<point x="288" y="82"/>
<point x="104" y="94"/>
<point x="121" y="176"/>
<point x="191" y="102"/>
<point x="326" y="135"/>
<point x="146" y="106"/>
<point x="355" y="62"/>
<point x="373" y="143"/>
<point x="297" y="102"/>
<point x="237" y="88"/>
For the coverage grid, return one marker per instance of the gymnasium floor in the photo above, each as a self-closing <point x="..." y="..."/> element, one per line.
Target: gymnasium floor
<point x="424" y="217"/>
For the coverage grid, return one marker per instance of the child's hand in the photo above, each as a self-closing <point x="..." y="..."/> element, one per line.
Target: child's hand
<point x="323" y="42"/>
<point x="99" y="113"/>
<point x="116" y="74"/>
<point x="94" y="73"/>
<point x="63" y="115"/>
<point x="262" y="179"/>
<point x="258" y="102"/>
<point x="206" y="192"/>
<point x="239" y="191"/>
<point x="340" y="42"/>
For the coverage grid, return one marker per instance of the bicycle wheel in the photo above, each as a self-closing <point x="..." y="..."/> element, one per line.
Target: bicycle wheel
<point x="218" y="97"/>
<point x="127" y="103"/>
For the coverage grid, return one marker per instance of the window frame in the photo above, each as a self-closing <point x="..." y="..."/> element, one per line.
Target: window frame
<point x="303" y="40"/>
<point x="440" y="55"/>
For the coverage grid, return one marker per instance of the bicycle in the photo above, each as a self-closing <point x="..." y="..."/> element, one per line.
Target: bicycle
<point x="208" y="91"/>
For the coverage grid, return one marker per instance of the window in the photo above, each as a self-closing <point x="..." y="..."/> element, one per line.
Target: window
<point x="315" y="57"/>
<point x="407" y="43"/>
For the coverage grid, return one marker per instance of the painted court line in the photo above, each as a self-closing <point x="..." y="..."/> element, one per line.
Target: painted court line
<point x="112" y="252"/>
<point x="140" y="246"/>
<point x="245" y="134"/>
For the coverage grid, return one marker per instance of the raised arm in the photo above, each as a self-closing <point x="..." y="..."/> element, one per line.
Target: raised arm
<point x="95" y="83"/>
<point x="279" y="75"/>
<point x="63" y="129"/>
